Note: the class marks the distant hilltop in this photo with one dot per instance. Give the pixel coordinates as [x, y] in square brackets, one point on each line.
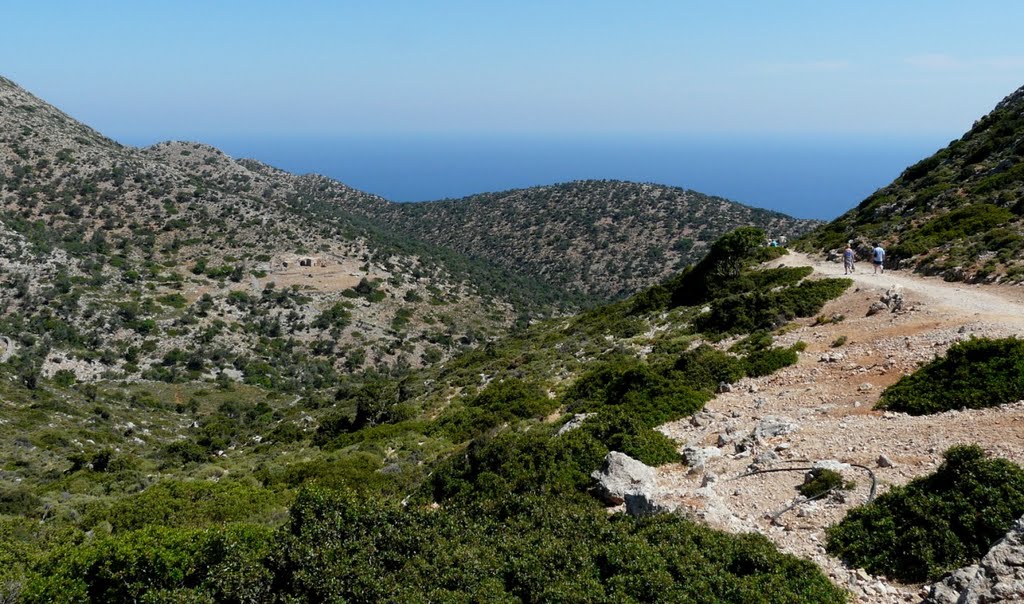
[602, 238]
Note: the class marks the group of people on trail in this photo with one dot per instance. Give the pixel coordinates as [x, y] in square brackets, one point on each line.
[877, 259]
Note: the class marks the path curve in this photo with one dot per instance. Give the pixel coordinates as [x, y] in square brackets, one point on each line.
[995, 302]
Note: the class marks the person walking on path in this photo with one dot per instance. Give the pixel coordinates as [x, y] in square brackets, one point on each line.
[848, 260]
[878, 258]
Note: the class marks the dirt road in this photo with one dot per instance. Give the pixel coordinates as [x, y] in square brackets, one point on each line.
[822, 410]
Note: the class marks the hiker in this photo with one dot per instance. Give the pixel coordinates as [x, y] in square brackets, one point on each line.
[848, 260]
[878, 258]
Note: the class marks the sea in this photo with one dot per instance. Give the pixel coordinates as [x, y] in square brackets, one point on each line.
[809, 177]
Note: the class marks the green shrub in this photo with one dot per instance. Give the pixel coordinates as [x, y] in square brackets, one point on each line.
[357, 471]
[530, 463]
[465, 423]
[19, 501]
[761, 309]
[651, 395]
[335, 317]
[936, 523]
[956, 225]
[704, 368]
[526, 549]
[767, 362]
[974, 374]
[157, 564]
[822, 481]
[183, 452]
[377, 400]
[190, 504]
[718, 270]
[514, 398]
[65, 378]
[173, 300]
[620, 430]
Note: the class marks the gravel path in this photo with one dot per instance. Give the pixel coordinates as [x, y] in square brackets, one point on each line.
[821, 409]
[1004, 302]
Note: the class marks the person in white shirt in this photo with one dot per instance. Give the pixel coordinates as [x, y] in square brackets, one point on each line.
[878, 258]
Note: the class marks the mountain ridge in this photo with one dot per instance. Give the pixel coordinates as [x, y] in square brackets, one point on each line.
[178, 240]
[602, 238]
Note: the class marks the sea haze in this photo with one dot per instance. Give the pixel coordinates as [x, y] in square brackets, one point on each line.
[807, 178]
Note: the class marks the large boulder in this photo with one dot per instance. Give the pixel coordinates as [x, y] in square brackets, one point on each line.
[999, 577]
[621, 475]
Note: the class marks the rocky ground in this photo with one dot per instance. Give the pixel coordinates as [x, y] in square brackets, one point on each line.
[819, 411]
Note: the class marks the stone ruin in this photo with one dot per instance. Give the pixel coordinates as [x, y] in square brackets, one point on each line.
[301, 261]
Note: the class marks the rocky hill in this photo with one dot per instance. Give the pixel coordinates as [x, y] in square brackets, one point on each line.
[957, 213]
[117, 260]
[603, 239]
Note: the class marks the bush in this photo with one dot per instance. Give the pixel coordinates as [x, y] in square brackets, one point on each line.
[378, 400]
[704, 368]
[65, 378]
[719, 269]
[524, 463]
[767, 362]
[769, 309]
[620, 430]
[974, 374]
[528, 549]
[158, 565]
[465, 423]
[935, 523]
[19, 501]
[957, 225]
[357, 471]
[823, 480]
[335, 317]
[651, 395]
[186, 504]
[514, 398]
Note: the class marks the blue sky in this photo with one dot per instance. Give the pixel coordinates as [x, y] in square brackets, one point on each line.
[146, 71]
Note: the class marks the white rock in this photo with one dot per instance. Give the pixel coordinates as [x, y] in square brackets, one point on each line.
[621, 475]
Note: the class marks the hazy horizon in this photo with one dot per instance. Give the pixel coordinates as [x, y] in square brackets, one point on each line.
[807, 178]
[806, 107]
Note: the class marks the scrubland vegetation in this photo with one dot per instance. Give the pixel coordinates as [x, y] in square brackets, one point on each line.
[445, 483]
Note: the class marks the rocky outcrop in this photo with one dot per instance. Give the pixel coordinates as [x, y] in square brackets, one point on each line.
[621, 475]
[999, 577]
[7, 348]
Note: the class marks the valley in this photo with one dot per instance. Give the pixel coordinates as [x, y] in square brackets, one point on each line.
[221, 382]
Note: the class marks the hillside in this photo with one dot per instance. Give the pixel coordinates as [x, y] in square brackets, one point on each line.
[957, 213]
[175, 261]
[467, 480]
[601, 239]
